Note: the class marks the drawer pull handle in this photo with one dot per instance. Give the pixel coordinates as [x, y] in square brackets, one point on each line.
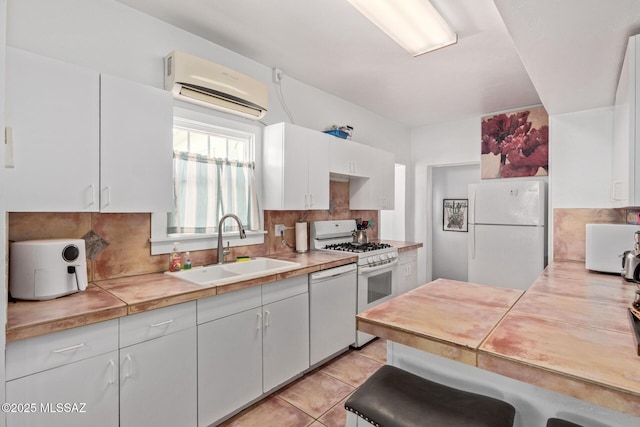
[259, 317]
[166, 322]
[70, 348]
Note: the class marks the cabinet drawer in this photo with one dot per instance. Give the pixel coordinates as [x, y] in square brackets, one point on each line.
[286, 288]
[224, 305]
[156, 323]
[408, 256]
[60, 348]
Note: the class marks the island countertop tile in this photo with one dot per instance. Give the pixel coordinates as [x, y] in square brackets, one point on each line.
[569, 332]
[449, 312]
[593, 354]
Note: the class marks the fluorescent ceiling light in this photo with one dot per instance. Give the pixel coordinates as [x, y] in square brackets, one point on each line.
[413, 24]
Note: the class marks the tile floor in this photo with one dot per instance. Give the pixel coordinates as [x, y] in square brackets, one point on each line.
[317, 399]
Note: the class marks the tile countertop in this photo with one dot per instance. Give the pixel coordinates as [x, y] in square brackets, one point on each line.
[569, 332]
[110, 299]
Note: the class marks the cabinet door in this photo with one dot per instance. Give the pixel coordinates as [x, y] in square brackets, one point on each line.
[296, 168]
[624, 149]
[52, 108]
[285, 347]
[158, 381]
[407, 271]
[318, 171]
[383, 177]
[378, 191]
[229, 364]
[349, 158]
[136, 122]
[89, 387]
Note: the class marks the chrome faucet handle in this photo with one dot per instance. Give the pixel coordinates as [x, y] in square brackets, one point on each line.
[226, 251]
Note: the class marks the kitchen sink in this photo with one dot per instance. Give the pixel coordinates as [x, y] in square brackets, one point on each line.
[259, 265]
[231, 272]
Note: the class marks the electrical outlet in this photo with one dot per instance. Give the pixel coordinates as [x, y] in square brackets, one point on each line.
[280, 229]
[277, 75]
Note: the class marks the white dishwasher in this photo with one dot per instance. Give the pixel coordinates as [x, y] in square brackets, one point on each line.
[332, 311]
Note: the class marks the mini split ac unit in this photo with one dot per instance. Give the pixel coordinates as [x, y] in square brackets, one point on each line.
[211, 85]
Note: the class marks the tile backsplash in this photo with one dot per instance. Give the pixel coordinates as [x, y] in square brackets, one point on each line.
[124, 248]
[569, 229]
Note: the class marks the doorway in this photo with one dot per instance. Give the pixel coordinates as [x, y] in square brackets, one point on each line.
[449, 248]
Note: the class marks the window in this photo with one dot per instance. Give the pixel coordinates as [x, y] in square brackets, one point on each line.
[213, 171]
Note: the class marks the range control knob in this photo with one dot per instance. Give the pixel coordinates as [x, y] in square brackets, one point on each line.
[370, 260]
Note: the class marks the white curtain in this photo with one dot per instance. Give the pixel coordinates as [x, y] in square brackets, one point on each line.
[207, 188]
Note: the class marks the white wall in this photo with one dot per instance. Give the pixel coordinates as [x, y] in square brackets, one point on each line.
[112, 38]
[449, 248]
[580, 157]
[441, 144]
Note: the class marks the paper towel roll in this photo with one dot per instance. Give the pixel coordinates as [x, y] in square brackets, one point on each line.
[301, 237]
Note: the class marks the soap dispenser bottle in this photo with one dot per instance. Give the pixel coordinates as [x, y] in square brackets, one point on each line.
[175, 260]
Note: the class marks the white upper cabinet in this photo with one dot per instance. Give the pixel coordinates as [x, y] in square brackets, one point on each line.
[84, 142]
[378, 191]
[349, 158]
[296, 168]
[135, 147]
[625, 189]
[52, 109]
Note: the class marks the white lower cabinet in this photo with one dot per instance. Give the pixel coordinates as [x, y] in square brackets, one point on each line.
[67, 378]
[158, 370]
[407, 271]
[250, 342]
[285, 347]
[229, 353]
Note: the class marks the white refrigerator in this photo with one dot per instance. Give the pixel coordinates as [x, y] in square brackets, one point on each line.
[507, 234]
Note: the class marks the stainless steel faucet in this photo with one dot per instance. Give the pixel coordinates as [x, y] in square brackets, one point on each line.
[222, 252]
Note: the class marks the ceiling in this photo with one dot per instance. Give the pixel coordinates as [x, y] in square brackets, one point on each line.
[510, 53]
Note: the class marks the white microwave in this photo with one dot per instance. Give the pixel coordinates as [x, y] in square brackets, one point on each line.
[605, 246]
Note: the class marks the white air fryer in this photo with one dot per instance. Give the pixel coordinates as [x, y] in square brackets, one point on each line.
[47, 269]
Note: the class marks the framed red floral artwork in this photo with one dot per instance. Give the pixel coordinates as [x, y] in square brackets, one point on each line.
[515, 144]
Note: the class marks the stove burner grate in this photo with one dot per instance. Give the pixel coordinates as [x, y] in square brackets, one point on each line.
[355, 247]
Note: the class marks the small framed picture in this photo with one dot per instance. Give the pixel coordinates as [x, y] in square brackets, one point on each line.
[454, 213]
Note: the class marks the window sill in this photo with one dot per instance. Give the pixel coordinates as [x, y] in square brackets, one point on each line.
[164, 245]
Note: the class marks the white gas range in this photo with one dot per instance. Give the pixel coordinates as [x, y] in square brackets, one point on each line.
[376, 264]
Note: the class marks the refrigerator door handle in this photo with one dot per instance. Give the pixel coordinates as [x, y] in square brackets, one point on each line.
[472, 218]
[472, 235]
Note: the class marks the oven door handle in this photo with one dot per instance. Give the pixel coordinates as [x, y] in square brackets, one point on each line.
[367, 270]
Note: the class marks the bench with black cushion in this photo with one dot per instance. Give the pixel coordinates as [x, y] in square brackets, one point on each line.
[557, 422]
[393, 397]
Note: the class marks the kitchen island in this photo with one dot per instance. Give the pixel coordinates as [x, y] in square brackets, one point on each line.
[569, 333]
